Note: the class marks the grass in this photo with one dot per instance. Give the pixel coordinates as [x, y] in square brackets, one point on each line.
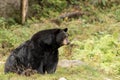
[84, 37]
[72, 73]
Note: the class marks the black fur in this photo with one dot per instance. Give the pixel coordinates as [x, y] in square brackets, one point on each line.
[40, 53]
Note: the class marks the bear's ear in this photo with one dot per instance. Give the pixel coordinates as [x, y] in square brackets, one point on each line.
[66, 29]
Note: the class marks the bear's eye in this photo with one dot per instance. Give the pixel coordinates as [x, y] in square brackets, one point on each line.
[66, 35]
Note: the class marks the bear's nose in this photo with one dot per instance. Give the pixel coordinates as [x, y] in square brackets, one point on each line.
[68, 42]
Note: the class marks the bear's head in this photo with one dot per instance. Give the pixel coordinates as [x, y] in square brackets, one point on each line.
[51, 37]
[62, 37]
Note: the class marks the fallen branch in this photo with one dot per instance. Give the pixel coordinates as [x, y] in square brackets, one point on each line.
[69, 15]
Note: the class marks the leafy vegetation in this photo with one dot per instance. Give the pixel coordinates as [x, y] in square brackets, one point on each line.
[95, 39]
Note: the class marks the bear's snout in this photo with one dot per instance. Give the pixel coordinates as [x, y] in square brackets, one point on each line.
[66, 41]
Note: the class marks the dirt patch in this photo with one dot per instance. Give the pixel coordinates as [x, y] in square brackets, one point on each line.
[70, 63]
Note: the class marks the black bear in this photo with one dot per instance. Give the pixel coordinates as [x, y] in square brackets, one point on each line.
[40, 53]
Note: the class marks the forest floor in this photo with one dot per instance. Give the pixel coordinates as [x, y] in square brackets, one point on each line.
[71, 66]
[67, 70]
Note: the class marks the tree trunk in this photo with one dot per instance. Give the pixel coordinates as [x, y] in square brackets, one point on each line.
[24, 9]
